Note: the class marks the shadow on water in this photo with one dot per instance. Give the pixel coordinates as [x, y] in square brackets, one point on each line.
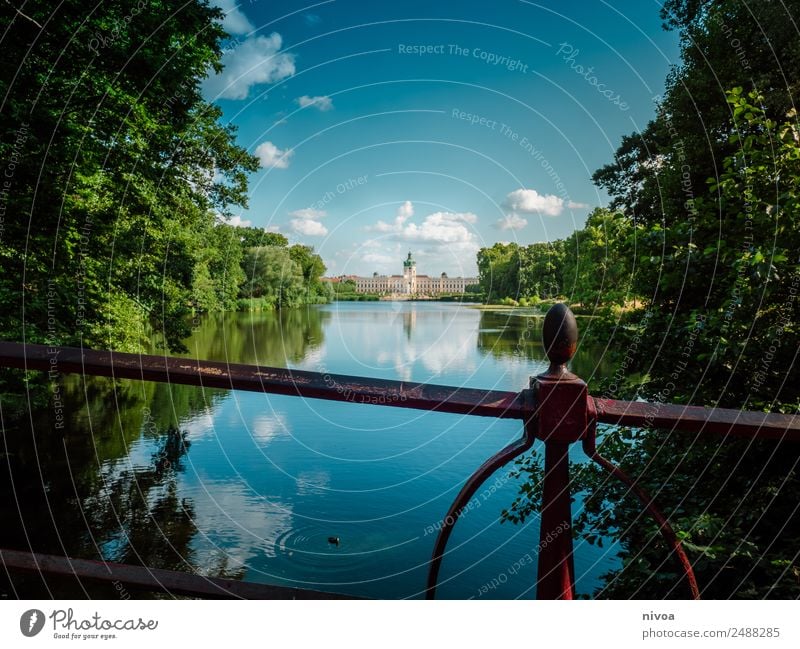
[517, 334]
[92, 467]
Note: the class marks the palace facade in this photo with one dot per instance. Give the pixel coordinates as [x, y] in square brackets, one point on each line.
[409, 283]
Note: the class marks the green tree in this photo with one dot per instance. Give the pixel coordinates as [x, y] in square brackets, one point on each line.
[255, 237]
[347, 286]
[659, 174]
[597, 267]
[271, 272]
[119, 168]
[313, 268]
[751, 334]
[218, 272]
[709, 192]
[692, 244]
[511, 271]
[498, 271]
[540, 269]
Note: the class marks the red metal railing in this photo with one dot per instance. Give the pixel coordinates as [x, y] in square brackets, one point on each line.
[555, 408]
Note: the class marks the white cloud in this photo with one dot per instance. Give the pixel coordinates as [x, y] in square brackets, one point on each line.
[308, 227]
[234, 22]
[577, 206]
[378, 258]
[441, 228]
[237, 221]
[511, 222]
[532, 202]
[308, 213]
[381, 226]
[272, 228]
[306, 221]
[439, 236]
[322, 102]
[404, 212]
[257, 60]
[271, 156]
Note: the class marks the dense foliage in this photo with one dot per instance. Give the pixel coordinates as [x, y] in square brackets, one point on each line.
[285, 277]
[118, 176]
[590, 267]
[695, 275]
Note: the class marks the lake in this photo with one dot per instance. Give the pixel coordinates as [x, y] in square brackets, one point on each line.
[252, 486]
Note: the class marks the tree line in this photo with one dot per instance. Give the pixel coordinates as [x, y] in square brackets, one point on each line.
[693, 273]
[119, 178]
[589, 267]
[276, 275]
[699, 241]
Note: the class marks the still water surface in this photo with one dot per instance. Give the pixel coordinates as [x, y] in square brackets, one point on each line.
[255, 485]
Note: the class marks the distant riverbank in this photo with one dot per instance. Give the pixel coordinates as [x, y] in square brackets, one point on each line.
[465, 298]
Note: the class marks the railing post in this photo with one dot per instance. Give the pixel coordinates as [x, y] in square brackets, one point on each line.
[562, 402]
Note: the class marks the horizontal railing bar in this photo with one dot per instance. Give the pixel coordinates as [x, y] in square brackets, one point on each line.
[274, 380]
[155, 579]
[696, 419]
[403, 394]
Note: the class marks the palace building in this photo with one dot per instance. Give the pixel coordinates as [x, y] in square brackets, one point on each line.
[409, 283]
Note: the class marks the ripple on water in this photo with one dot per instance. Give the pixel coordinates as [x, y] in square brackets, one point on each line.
[363, 554]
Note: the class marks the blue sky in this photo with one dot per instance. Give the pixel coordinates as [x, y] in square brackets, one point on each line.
[436, 127]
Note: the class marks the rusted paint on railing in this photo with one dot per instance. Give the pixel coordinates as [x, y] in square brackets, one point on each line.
[273, 380]
[154, 579]
[382, 392]
[696, 419]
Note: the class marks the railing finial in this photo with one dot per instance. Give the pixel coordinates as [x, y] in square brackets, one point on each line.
[560, 338]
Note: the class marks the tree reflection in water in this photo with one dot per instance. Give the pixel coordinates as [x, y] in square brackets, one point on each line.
[105, 483]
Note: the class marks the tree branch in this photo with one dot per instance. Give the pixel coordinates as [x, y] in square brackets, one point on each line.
[25, 16]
